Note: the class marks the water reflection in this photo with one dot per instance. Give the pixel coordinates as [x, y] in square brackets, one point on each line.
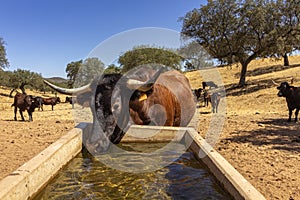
[86, 178]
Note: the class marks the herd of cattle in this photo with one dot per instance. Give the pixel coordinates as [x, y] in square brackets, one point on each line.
[29, 103]
[209, 95]
[145, 97]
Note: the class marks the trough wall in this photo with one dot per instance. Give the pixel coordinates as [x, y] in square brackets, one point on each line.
[31, 177]
[28, 179]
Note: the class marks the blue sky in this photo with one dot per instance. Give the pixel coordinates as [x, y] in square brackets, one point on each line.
[44, 36]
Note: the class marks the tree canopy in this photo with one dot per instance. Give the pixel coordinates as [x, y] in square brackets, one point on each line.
[83, 72]
[89, 69]
[149, 55]
[3, 60]
[195, 56]
[112, 69]
[241, 31]
[289, 29]
[72, 71]
[20, 78]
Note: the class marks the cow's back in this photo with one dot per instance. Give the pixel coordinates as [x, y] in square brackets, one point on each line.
[179, 85]
[294, 100]
[22, 101]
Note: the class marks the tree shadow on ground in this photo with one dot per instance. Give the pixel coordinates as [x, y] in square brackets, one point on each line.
[5, 95]
[267, 70]
[254, 86]
[276, 133]
[251, 87]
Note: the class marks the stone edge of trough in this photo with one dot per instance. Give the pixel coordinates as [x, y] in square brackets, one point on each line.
[28, 179]
[231, 180]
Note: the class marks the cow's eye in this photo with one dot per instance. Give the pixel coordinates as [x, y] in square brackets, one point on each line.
[116, 106]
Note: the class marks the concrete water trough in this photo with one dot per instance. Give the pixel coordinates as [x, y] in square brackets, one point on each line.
[30, 178]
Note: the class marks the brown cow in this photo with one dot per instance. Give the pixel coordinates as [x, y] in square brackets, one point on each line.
[50, 101]
[24, 102]
[146, 96]
[164, 103]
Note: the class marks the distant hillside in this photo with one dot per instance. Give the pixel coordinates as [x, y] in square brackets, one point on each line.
[57, 80]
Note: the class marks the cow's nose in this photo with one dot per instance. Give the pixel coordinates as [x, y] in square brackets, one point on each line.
[115, 108]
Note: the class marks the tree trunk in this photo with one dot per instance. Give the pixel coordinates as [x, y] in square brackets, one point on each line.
[22, 87]
[11, 92]
[286, 60]
[243, 75]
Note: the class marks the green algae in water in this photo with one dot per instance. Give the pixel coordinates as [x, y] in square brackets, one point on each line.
[86, 178]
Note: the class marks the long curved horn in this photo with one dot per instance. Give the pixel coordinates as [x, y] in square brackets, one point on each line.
[144, 86]
[275, 83]
[86, 88]
[138, 85]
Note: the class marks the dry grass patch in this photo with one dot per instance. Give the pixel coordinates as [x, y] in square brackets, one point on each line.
[256, 138]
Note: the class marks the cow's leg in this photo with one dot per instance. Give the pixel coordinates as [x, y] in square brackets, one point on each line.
[217, 105]
[212, 107]
[290, 114]
[42, 107]
[21, 113]
[30, 115]
[15, 113]
[296, 114]
[52, 106]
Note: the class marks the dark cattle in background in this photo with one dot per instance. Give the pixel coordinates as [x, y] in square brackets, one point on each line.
[50, 101]
[215, 100]
[24, 102]
[145, 97]
[292, 96]
[206, 97]
[208, 83]
[39, 102]
[70, 100]
[213, 97]
[197, 92]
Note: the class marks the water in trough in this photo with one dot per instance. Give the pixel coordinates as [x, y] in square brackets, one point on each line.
[87, 178]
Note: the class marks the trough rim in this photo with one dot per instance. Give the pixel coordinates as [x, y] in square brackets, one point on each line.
[32, 176]
[19, 184]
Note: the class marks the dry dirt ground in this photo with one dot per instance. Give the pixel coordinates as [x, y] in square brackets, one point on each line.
[255, 138]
